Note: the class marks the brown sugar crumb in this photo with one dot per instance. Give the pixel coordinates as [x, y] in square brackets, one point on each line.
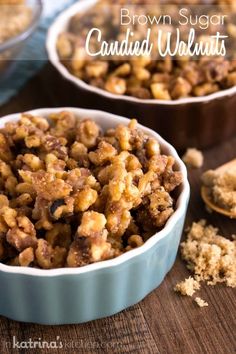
[211, 257]
[187, 286]
[200, 302]
[222, 188]
[193, 158]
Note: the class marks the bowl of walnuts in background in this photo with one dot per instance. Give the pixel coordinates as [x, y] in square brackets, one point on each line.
[190, 102]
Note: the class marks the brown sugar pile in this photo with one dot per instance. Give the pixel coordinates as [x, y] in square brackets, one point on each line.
[210, 257]
[187, 286]
[193, 158]
[222, 188]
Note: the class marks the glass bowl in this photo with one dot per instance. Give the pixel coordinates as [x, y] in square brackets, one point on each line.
[11, 48]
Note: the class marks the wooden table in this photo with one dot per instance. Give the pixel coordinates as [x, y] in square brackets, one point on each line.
[163, 322]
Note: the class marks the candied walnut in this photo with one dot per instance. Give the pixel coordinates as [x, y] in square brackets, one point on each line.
[23, 200]
[6, 154]
[10, 185]
[160, 91]
[144, 184]
[71, 164]
[30, 162]
[87, 133]
[48, 257]
[215, 70]
[96, 68]
[160, 206]
[100, 250]
[152, 147]
[144, 221]
[123, 135]
[104, 153]
[60, 235]
[60, 208]
[118, 221]
[46, 185]
[79, 152]
[4, 202]
[79, 252]
[134, 241]
[32, 141]
[139, 92]
[84, 199]
[180, 88]
[41, 214]
[122, 70]
[26, 188]
[38, 122]
[205, 89]
[231, 79]
[81, 177]
[116, 85]
[92, 225]
[55, 146]
[9, 181]
[23, 234]
[26, 257]
[141, 73]
[171, 179]
[157, 164]
[116, 170]
[8, 215]
[65, 123]
[55, 165]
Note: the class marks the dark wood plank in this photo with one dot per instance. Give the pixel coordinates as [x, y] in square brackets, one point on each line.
[163, 322]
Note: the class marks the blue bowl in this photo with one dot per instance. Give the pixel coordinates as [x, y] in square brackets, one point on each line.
[77, 295]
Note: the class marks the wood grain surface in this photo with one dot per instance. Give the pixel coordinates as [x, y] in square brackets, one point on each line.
[163, 322]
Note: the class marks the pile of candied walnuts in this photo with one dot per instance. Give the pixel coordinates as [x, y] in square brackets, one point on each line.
[167, 78]
[71, 195]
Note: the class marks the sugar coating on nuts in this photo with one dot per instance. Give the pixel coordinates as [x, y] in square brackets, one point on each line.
[73, 194]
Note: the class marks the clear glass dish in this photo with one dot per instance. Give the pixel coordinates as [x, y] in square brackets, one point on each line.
[11, 48]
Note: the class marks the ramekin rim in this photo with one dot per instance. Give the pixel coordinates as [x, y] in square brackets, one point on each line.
[11, 42]
[108, 264]
[55, 61]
